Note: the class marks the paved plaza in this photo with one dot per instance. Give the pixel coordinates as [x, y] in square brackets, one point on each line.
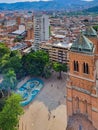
[48, 110]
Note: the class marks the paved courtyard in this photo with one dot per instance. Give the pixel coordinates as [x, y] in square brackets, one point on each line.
[48, 110]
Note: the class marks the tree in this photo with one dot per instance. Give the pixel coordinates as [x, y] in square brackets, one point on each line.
[4, 56]
[15, 53]
[95, 27]
[10, 80]
[2, 103]
[47, 70]
[3, 50]
[9, 60]
[15, 63]
[4, 63]
[1, 91]
[35, 62]
[58, 67]
[9, 116]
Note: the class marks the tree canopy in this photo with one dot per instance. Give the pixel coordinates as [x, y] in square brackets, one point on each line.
[10, 59]
[35, 62]
[9, 116]
[9, 81]
[3, 50]
[59, 67]
[14, 66]
[95, 27]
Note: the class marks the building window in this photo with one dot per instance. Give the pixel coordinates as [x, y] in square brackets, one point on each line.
[80, 127]
[85, 107]
[76, 66]
[85, 68]
[77, 104]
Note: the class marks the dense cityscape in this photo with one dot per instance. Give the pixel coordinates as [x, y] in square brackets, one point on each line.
[49, 66]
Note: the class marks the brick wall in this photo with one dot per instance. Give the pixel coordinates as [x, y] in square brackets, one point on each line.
[82, 96]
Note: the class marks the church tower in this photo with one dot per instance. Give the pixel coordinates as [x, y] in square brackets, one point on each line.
[82, 84]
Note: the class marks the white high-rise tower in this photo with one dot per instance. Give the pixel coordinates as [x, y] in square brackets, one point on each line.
[41, 30]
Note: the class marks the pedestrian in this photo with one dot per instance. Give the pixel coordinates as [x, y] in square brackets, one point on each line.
[59, 102]
[49, 116]
[54, 116]
[57, 87]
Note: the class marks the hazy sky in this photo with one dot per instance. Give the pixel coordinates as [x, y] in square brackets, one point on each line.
[12, 1]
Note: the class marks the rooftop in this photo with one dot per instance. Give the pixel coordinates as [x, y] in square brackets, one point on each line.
[90, 32]
[58, 36]
[27, 50]
[18, 32]
[62, 45]
[19, 46]
[82, 44]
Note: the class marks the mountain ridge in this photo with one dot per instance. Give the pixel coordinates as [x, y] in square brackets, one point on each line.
[48, 5]
[93, 9]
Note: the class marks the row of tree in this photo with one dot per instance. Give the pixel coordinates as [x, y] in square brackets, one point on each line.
[10, 109]
[14, 66]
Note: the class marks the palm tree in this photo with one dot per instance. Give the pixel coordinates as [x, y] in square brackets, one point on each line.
[10, 80]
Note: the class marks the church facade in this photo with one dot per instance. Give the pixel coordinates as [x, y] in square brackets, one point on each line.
[82, 84]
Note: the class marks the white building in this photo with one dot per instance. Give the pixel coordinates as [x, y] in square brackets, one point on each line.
[22, 27]
[41, 30]
[8, 23]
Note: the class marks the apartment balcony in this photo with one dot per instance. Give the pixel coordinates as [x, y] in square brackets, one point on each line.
[53, 54]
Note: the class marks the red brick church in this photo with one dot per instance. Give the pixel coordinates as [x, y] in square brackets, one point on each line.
[82, 85]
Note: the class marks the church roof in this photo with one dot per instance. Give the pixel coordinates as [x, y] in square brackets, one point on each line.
[90, 32]
[82, 44]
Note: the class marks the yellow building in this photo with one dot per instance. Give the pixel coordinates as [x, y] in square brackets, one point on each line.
[58, 52]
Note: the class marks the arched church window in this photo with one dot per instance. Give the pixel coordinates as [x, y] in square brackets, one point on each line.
[77, 104]
[76, 66]
[85, 68]
[85, 107]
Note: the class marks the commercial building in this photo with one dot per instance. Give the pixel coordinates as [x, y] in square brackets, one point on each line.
[20, 32]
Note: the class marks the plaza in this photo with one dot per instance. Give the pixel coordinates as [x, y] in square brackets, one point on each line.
[48, 110]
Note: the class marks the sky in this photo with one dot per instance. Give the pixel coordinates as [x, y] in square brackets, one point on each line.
[12, 1]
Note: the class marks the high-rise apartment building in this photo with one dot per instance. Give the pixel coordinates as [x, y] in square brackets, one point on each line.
[41, 30]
